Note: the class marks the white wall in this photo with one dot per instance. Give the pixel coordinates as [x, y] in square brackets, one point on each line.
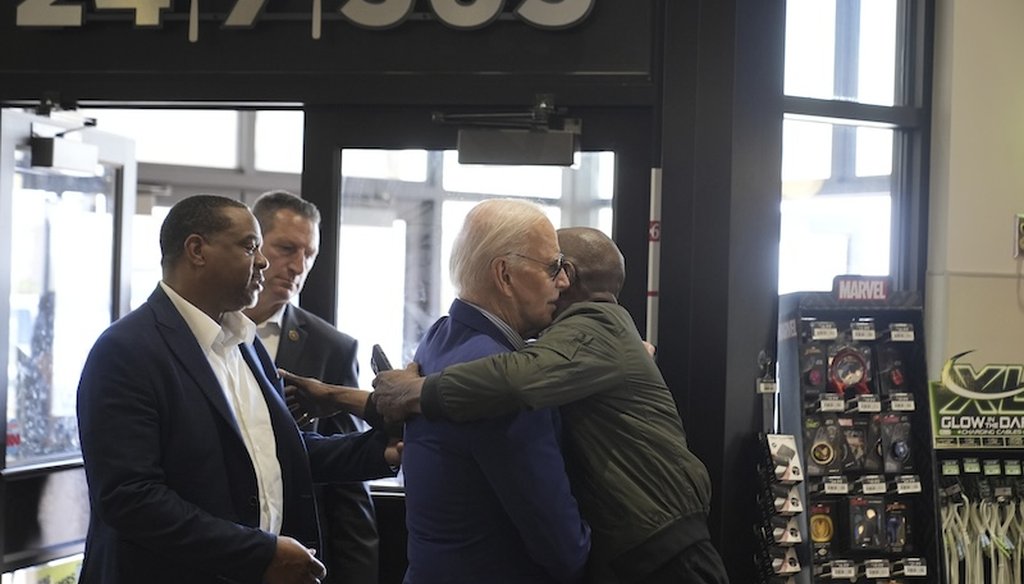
[975, 288]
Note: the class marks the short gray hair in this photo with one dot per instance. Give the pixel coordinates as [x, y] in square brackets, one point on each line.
[270, 202]
[492, 229]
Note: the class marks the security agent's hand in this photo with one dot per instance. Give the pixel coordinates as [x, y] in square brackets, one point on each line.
[309, 398]
[293, 564]
[397, 392]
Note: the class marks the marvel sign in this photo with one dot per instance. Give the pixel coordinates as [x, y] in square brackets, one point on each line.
[860, 288]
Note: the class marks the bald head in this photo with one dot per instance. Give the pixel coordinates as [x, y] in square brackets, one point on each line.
[597, 268]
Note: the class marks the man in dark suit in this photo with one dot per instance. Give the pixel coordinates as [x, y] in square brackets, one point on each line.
[303, 343]
[489, 501]
[196, 471]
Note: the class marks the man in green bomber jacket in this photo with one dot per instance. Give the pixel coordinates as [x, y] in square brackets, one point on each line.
[644, 493]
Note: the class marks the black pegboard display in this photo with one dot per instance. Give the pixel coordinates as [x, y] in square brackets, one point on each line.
[853, 391]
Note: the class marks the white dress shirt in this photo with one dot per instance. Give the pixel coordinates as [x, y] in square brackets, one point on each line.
[219, 342]
[269, 332]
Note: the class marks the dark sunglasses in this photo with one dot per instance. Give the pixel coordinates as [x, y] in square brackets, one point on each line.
[552, 268]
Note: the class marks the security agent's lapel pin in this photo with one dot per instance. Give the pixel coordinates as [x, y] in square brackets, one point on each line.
[293, 335]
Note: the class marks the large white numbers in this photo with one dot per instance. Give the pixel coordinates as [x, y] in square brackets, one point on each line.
[244, 13]
[558, 14]
[48, 13]
[459, 14]
[384, 14]
[373, 14]
[147, 12]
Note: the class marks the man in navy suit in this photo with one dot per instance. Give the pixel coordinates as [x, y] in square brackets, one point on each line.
[196, 471]
[489, 501]
[304, 343]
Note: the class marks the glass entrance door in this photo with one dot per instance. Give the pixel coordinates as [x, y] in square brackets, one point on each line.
[64, 191]
[407, 206]
[398, 195]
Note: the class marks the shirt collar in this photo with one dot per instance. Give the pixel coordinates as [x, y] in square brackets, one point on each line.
[234, 328]
[514, 338]
[274, 320]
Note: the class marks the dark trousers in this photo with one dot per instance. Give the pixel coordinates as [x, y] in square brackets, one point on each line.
[697, 564]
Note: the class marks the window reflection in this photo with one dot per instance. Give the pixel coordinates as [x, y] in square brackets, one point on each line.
[61, 299]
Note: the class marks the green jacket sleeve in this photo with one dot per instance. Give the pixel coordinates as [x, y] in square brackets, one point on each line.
[583, 352]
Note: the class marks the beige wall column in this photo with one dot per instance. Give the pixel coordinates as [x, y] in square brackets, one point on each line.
[975, 287]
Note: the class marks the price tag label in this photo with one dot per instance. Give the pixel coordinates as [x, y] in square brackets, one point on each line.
[1011, 468]
[908, 485]
[992, 468]
[915, 567]
[863, 331]
[843, 570]
[901, 332]
[950, 468]
[831, 402]
[915, 570]
[767, 386]
[877, 569]
[824, 331]
[902, 402]
[873, 485]
[836, 486]
[972, 466]
[868, 404]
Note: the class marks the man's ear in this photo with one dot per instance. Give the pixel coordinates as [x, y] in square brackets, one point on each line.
[502, 274]
[195, 249]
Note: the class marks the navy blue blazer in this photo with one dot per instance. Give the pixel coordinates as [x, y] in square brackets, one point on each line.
[172, 491]
[312, 347]
[487, 501]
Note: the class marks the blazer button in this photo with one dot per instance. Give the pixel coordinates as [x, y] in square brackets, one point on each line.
[254, 501]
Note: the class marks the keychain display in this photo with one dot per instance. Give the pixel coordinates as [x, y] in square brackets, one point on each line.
[895, 443]
[867, 523]
[892, 371]
[826, 443]
[858, 374]
[781, 503]
[849, 370]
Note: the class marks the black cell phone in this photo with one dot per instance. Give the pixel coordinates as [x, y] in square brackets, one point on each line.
[378, 360]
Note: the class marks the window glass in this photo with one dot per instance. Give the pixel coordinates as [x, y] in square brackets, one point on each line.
[876, 65]
[278, 141]
[806, 150]
[61, 300]
[810, 48]
[204, 138]
[396, 237]
[842, 50]
[399, 165]
[836, 203]
[829, 235]
[146, 271]
[605, 162]
[62, 570]
[874, 151]
[508, 181]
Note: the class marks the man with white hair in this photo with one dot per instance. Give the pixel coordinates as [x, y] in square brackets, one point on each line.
[489, 501]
